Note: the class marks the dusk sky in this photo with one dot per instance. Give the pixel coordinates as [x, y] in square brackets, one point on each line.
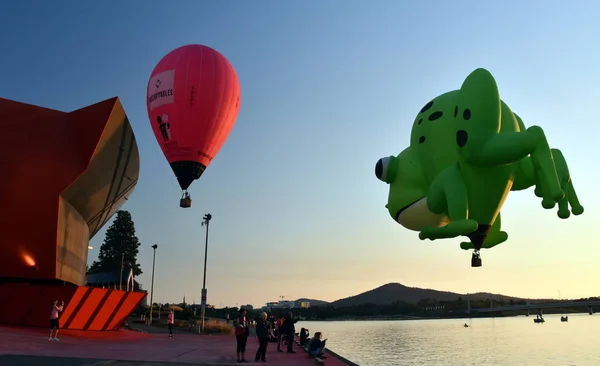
[328, 88]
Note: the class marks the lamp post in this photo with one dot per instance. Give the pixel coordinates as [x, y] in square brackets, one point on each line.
[121, 276]
[205, 221]
[152, 283]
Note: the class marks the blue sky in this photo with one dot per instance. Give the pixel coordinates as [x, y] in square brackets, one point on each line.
[328, 87]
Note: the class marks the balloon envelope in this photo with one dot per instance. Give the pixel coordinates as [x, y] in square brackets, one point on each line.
[193, 101]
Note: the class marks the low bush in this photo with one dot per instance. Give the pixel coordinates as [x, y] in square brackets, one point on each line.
[216, 327]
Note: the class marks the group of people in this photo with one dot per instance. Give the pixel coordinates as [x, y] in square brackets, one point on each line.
[316, 344]
[281, 331]
[264, 332]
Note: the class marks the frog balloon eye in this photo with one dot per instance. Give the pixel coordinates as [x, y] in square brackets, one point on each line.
[382, 169]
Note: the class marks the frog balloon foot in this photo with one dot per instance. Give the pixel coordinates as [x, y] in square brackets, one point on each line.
[577, 210]
[548, 203]
[563, 213]
[476, 259]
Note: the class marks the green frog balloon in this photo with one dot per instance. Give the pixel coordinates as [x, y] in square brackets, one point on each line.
[467, 151]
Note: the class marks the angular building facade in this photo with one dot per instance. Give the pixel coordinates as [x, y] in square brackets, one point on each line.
[63, 175]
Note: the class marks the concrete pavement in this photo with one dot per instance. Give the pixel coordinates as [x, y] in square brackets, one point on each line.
[77, 348]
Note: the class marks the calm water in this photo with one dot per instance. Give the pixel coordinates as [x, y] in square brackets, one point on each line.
[489, 341]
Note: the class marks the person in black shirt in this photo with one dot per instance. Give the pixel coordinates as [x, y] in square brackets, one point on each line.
[289, 329]
[303, 337]
[262, 333]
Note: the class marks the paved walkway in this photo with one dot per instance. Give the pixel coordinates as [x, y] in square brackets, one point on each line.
[99, 348]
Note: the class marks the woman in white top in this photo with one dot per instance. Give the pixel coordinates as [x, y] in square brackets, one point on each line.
[54, 319]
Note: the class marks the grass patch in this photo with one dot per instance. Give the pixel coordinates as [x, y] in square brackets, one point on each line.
[217, 327]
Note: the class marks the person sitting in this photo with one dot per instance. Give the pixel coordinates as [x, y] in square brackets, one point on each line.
[303, 337]
[317, 345]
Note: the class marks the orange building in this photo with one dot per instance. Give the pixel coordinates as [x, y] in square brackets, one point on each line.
[63, 175]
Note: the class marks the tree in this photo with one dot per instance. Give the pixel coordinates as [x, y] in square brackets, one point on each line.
[120, 240]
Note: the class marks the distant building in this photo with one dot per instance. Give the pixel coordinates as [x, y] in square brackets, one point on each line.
[305, 304]
[288, 304]
[110, 280]
[275, 305]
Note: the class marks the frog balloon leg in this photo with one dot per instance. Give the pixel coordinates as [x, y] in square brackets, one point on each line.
[526, 177]
[477, 185]
[570, 197]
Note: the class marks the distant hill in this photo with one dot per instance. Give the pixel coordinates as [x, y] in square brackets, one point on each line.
[313, 302]
[392, 292]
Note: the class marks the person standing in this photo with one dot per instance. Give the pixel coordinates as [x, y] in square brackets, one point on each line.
[241, 334]
[262, 333]
[170, 322]
[289, 329]
[279, 326]
[54, 325]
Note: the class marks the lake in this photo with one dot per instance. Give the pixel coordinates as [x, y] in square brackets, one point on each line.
[488, 341]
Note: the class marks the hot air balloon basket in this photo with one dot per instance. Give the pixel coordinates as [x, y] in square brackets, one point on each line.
[185, 202]
[475, 260]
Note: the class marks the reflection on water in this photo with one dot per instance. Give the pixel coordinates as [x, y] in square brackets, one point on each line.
[488, 341]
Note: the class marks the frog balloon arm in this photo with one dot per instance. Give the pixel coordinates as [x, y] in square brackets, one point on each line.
[448, 192]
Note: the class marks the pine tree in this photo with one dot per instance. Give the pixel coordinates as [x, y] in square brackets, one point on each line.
[120, 242]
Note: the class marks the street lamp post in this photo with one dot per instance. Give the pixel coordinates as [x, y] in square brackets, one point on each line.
[152, 283]
[205, 221]
[121, 277]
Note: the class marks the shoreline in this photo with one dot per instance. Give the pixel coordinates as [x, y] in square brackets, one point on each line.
[447, 317]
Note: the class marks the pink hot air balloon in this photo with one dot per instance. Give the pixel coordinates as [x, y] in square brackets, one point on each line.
[193, 101]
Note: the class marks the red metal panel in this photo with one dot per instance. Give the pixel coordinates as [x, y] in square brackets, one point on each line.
[131, 302]
[107, 309]
[24, 304]
[85, 312]
[50, 155]
[73, 303]
[58, 174]
[12, 309]
[39, 147]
